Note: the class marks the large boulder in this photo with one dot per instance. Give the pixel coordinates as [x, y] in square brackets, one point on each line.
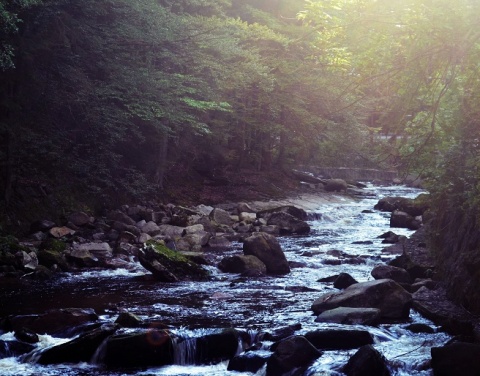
[367, 361]
[339, 339]
[456, 359]
[392, 299]
[102, 250]
[267, 248]
[247, 265]
[290, 353]
[217, 347]
[401, 219]
[413, 207]
[80, 349]
[289, 209]
[335, 185]
[221, 217]
[399, 275]
[167, 265]
[247, 362]
[151, 348]
[351, 316]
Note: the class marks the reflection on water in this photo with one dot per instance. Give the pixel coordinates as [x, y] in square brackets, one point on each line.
[343, 239]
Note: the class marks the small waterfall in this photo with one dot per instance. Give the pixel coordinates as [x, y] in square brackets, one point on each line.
[184, 350]
[99, 355]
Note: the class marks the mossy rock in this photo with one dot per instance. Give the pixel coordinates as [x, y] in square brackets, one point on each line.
[168, 265]
[10, 244]
[53, 245]
[49, 258]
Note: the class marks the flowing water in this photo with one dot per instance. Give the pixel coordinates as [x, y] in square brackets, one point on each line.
[344, 238]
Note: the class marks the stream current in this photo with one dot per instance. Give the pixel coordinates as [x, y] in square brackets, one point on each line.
[344, 238]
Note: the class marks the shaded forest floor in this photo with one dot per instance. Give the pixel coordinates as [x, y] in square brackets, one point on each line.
[244, 185]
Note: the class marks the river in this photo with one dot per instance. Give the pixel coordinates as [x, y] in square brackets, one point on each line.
[344, 238]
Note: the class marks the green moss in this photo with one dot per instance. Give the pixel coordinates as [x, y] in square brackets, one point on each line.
[53, 245]
[176, 263]
[10, 244]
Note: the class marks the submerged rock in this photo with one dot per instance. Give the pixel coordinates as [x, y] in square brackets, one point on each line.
[58, 322]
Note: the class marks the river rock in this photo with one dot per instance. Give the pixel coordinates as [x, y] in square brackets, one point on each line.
[58, 322]
[80, 349]
[399, 275]
[219, 241]
[118, 216]
[436, 306]
[243, 207]
[298, 213]
[192, 242]
[82, 258]
[367, 361]
[290, 353]
[420, 328]
[335, 185]
[404, 220]
[221, 217]
[247, 217]
[351, 316]
[171, 232]
[146, 349]
[151, 228]
[26, 261]
[248, 265]
[10, 349]
[288, 224]
[60, 232]
[339, 339]
[280, 333]
[392, 299]
[456, 359]
[167, 265]
[41, 225]
[413, 207]
[247, 362]
[79, 219]
[27, 336]
[217, 347]
[344, 280]
[101, 251]
[143, 238]
[267, 248]
[129, 320]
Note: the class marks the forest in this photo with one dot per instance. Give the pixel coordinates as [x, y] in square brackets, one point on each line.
[116, 100]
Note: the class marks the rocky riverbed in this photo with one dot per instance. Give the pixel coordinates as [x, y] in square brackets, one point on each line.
[279, 287]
